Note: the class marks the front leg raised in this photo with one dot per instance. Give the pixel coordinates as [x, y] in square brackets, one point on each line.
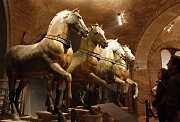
[60, 72]
[96, 79]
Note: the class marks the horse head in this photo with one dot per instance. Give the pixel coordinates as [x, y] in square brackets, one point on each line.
[114, 45]
[97, 35]
[128, 53]
[74, 19]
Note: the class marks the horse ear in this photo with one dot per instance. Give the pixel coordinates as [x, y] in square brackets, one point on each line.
[76, 10]
[96, 24]
[90, 26]
[101, 26]
[126, 45]
[116, 39]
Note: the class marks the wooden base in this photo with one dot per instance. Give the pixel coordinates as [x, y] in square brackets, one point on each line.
[108, 112]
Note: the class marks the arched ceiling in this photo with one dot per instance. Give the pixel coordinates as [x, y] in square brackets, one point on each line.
[32, 17]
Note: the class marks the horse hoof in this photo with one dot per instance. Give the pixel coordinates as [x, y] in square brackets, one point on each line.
[65, 104]
[50, 110]
[62, 119]
[64, 109]
[91, 110]
[15, 117]
[118, 104]
[54, 112]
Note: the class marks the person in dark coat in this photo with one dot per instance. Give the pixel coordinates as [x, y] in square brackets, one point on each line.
[160, 98]
[173, 93]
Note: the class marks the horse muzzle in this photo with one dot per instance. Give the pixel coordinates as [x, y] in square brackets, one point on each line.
[104, 44]
[83, 32]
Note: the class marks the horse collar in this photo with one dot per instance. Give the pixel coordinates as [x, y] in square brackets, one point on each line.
[122, 64]
[96, 55]
[67, 43]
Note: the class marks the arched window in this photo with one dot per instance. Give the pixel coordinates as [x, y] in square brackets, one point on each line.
[177, 53]
[165, 56]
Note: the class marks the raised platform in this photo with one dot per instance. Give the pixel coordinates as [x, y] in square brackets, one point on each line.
[108, 112]
[113, 113]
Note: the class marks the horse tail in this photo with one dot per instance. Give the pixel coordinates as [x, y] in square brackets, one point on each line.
[7, 62]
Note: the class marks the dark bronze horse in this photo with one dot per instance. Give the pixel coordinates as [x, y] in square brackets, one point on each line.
[52, 55]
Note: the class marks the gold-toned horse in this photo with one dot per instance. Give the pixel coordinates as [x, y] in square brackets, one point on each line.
[122, 73]
[113, 68]
[52, 55]
[113, 52]
[83, 67]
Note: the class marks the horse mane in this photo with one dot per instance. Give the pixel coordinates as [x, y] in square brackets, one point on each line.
[110, 41]
[60, 15]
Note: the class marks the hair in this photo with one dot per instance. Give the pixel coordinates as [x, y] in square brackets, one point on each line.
[176, 61]
[165, 73]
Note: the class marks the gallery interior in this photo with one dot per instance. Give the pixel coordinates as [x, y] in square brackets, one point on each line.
[149, 28]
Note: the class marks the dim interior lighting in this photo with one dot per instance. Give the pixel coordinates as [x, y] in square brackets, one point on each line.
[121, 19]
[169, 26]
[169, 29]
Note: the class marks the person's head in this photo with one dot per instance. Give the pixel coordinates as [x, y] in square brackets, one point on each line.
[163, 74]
[174, 64]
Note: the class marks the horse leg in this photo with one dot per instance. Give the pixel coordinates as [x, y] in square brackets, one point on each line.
[117, 101]
[50, 88]
[57, 106]
[129, 81]
[81, 94]
[57, 69]
[119, 81]
[12, 82]
[104, 94]
[23, 82]
[90, 98]
[61, 117]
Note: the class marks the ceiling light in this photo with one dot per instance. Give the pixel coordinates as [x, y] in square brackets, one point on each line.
[169, 26]
[121, 19]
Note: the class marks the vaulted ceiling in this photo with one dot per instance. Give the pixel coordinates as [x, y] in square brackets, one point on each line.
[144, 30]
[30, 18]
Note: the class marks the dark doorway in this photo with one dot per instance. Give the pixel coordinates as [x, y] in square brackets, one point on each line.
[3, 37]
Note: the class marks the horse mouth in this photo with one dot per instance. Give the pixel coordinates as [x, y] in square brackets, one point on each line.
[104, 45]
[83, 33]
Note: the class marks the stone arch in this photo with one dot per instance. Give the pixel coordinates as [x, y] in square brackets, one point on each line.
[144, 49]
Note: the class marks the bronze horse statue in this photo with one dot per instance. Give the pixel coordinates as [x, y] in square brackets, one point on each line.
[122, 76]
[113, 68]
[83, 63]
[52, 55]
[85, 60]
[123, 72]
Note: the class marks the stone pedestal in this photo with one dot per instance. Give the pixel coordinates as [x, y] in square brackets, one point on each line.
[113, 113]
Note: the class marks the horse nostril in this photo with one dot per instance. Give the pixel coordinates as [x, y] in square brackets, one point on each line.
[87, 32]
[105, 43]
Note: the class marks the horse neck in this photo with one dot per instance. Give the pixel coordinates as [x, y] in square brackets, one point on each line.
[108, 53]
[87, 44]
[59, 28]
[119, 59]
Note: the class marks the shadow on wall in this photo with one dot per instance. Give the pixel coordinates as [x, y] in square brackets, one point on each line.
[3, 37]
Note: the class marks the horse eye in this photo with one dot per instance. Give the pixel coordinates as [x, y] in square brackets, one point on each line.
[79, 17]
